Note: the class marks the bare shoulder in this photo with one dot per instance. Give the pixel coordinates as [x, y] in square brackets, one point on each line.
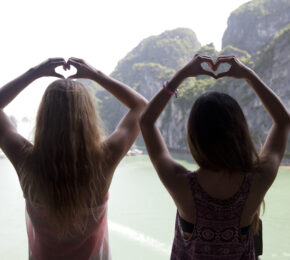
[177, 183]
[265, 175]
[114, 153]
[16, 148]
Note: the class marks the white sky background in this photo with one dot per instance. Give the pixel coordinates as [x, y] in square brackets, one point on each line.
[101, 32]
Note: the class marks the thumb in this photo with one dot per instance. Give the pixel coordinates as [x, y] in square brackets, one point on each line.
[55, 74]
[221, 75]
[208, 73]
[73, 76]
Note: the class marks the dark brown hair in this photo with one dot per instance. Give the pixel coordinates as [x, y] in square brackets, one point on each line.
[219, 137]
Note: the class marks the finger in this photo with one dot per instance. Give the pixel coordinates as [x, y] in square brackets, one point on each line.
[75, 76]
[222, 74]
[207, 59]
[208, 73]
[225, 56]
[73, 63]
[205, 56]
[229, 61]
[53, 60]
[210, 65]
[55, 74]
[58, 63]
[76, 60]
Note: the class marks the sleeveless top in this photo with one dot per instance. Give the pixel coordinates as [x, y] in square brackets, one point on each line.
[216, 234]
[44, 244]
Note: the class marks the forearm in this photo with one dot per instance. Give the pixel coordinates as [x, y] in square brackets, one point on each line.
[270, 100]
[159, 102]
[9, 91]
[126, 95]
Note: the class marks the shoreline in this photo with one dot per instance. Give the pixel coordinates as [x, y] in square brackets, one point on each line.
[285, 167]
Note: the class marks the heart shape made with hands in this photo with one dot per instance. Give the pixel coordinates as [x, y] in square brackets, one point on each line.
[66, 73]
[221, 68]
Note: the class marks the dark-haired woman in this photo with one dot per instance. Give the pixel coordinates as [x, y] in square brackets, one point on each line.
[66, 173]
[218, 204]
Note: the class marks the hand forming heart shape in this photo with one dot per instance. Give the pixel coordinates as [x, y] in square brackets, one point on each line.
[67, 72]
[200, 65]
[224, 66]
[216, 70]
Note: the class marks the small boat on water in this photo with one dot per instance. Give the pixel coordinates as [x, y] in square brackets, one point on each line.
[134, 151]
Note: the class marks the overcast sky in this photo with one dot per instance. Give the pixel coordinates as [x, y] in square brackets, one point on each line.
[101, 32]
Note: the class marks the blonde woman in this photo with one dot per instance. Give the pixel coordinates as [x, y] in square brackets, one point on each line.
[66, 173]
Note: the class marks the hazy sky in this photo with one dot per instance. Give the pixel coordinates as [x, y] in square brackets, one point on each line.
[101, 32]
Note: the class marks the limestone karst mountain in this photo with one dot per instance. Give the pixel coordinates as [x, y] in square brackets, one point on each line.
[258, 33]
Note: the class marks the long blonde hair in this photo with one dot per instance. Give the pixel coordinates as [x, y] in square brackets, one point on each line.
[64, 168]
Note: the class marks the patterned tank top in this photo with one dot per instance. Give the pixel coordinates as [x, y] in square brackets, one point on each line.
[216, 234]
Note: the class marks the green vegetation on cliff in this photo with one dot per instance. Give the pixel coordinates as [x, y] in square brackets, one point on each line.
[157, 58]
[170, 49]
[267, 57]
[260, 8]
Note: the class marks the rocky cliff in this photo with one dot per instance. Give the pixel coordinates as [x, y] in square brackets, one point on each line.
[253, 25]
[147, 66]
[258, 33]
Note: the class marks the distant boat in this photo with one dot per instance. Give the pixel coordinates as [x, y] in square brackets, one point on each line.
[134, 151]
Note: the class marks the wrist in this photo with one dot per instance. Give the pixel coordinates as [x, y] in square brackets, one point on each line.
[33, 74]
[251, 76]
[181, 75]
[176, 80]
[96, 75]
[167, 89]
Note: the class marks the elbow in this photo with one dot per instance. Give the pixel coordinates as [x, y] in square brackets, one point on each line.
[139, 104]
[142, 119]
[143, 103]
[284, 121]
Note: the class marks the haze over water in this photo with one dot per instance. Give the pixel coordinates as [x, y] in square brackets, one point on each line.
[141, 214]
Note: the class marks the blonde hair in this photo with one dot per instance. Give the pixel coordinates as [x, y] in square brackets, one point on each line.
[64, 168]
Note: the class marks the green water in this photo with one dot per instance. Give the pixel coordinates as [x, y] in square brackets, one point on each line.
[141, 214]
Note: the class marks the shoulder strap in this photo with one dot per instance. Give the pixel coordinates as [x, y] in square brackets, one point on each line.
[198, 192]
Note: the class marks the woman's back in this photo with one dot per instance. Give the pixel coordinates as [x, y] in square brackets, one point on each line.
[223, 186]
[44, 242]
[217, 208]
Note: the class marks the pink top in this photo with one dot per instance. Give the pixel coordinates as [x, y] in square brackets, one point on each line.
[44, 244]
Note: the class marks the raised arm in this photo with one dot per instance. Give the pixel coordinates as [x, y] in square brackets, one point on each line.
[128, 129]
[9, 91]
[11, 142]
[167, 168]
[274, 147]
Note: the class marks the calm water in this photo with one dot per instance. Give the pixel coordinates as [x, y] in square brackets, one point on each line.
[141, 214]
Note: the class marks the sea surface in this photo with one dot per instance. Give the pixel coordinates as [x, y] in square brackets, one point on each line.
[141, 214]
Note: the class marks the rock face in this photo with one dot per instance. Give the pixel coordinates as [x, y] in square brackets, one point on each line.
[258, 33]
[147, 66]
[253, 25]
